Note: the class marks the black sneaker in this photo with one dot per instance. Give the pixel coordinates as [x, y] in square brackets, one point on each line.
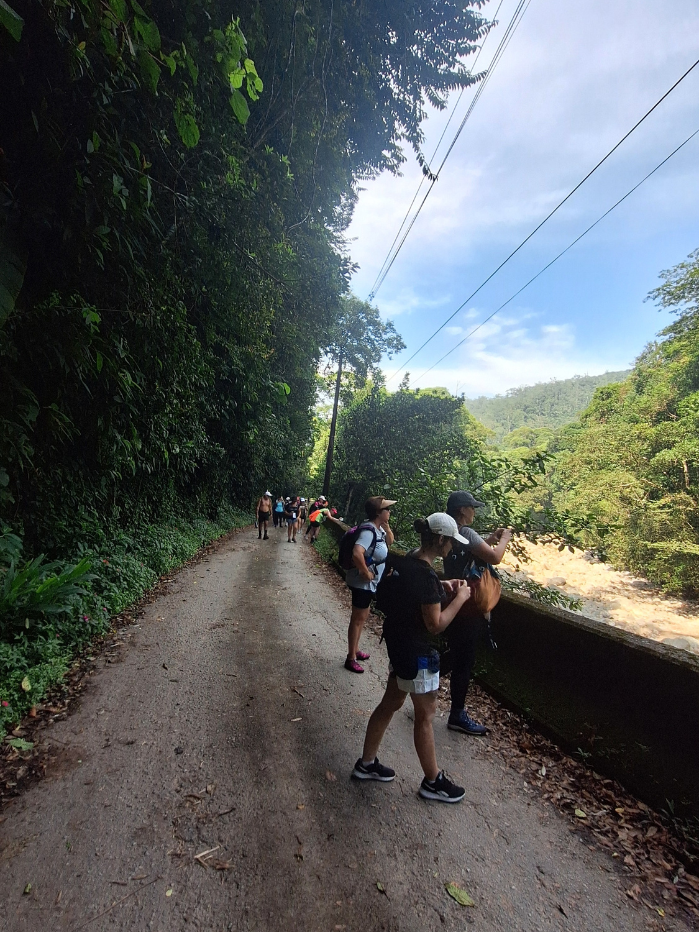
[375, 771]
[463, 722]
[442, 789]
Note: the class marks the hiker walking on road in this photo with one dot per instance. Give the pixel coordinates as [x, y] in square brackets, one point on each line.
[279, 511]
[369, 553]
[264, 513]
[291, 512]
[464, 632]
[411, 601]
[303, 514]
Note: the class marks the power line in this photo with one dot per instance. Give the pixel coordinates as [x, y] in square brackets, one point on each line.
[376, 286]
[547, 218]
[504, 42]
[562, 253]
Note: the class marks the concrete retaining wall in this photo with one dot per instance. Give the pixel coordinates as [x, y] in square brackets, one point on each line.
[628, 705]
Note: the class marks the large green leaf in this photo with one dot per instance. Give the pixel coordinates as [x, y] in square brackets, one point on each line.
[149, 32]
[240, 107]
[187, 128]
[12, 21]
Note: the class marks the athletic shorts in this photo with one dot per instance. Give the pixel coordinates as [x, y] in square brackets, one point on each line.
[424, 682]
[263, 516]
[361, 598]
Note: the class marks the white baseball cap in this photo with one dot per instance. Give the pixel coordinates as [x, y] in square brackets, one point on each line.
[441, 523]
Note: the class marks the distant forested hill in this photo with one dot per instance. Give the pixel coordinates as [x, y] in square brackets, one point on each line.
[546, 404]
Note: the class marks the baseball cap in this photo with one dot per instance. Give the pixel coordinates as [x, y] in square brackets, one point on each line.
[322, 498]
[462, 500]
[441, 523]
[303, 499]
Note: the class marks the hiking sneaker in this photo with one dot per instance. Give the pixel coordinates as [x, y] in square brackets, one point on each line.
[362, 655]
[442, 789]
[375, 771]
[463, 722]
[353, 666]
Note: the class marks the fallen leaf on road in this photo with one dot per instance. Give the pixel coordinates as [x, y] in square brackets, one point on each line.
[220, 865]
[20, 744]
[296, 719]
[459, 894]
[380, 887]
[580, 814]
[300, 806]
[27, 890]
[168, 892]
[329, 775]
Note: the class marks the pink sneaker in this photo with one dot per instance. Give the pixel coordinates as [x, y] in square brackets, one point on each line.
[353, 666]
[362, 656]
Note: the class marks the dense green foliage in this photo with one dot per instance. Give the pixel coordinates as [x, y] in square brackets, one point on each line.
[546, 404]
[417, 447]
[633, 460]
[56, 610]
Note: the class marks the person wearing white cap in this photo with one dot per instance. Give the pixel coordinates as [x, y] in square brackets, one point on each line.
[414, 616]
[264, 513]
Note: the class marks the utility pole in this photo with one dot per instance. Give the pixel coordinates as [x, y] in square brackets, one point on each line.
[333, 424]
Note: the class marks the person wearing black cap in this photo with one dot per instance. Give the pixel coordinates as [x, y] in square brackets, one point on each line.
[462, 634]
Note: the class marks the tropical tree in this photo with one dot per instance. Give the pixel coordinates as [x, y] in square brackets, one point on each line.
[357, 341]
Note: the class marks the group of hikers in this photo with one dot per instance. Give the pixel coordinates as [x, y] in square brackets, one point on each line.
[417, 607]
[292, 511]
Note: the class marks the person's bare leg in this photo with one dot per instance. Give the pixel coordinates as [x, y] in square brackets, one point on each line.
[357, 621]
[425, 706]
[381, 717]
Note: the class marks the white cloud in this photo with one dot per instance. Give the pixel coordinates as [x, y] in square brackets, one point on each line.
[498, 358]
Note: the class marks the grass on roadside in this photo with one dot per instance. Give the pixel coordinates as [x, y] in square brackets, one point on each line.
[49, 611]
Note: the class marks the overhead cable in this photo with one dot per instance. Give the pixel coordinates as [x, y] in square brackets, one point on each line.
[562, 253]
[504, 42]
[547, 217]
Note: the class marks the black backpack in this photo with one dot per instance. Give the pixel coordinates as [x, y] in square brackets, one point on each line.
[393, 597]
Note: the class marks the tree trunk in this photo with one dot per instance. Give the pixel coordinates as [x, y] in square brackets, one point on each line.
[331, 438]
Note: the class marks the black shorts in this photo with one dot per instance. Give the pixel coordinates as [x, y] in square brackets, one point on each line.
[361, 598]
[263, 516]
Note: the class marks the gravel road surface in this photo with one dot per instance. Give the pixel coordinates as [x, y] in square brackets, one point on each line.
[228, 730]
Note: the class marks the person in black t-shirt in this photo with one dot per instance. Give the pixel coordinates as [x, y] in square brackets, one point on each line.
[413, 618]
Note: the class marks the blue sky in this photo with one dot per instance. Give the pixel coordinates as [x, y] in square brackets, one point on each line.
[573, 80]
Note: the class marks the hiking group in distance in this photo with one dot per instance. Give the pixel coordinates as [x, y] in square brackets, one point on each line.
[418, 607]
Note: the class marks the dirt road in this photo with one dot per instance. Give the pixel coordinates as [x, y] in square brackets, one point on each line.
[231, 725]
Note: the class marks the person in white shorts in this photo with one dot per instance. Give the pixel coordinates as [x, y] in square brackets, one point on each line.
[414, 616]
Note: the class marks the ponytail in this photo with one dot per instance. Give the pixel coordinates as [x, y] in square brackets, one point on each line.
[427, 537]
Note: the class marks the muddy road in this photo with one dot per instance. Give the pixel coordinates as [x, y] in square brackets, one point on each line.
[228, 730]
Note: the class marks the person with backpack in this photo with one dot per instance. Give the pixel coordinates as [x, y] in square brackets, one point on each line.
[410, 596]
[367, 548]
[317, 517]
[291, 513]
[320, 502]
[468, 561]
[303, 514]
